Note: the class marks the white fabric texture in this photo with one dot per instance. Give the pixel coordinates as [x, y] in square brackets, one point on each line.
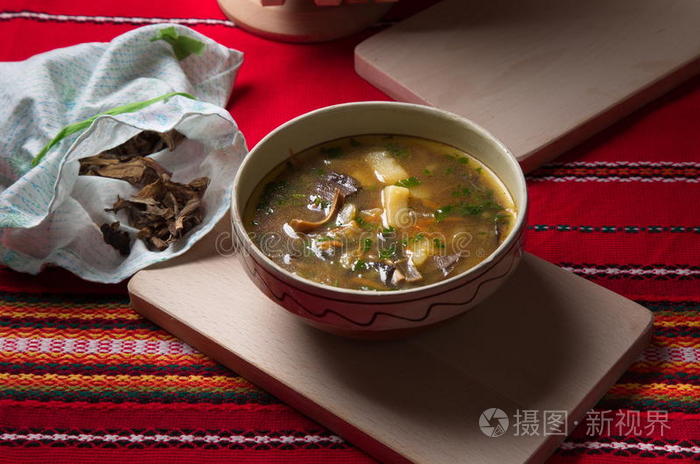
[51, 215]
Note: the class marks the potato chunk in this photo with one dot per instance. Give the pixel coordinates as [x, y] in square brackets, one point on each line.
[420, 251]
[385, 167]
[395, 203]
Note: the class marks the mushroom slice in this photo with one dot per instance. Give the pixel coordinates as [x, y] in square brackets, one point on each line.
[386, 272]
[409, 271]
[446, 263]
[333, 181]
[300, 225]
[412, 273]
[397, 277]
[346, 214]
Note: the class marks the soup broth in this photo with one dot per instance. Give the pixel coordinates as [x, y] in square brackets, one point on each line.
[379, 212]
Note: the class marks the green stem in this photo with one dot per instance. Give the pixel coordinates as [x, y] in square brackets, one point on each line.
[78, 126]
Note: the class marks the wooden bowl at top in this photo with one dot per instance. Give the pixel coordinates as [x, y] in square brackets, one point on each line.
[303, 20]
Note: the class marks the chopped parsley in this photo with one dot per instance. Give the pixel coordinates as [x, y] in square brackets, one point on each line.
[359, 266]
[438, 243]
[427, 172]
[410, 182]
[467, 209]
[397, 151]
[458, 158]
[366, 244]
[320, 202]
[462, 192]
[449, 170]
[362, 223]
[388, 252]
[417, 238]
[442, 213]
[388, 230]
[272, 194]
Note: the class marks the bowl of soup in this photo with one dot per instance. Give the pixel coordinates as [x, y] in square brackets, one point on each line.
[377, 219]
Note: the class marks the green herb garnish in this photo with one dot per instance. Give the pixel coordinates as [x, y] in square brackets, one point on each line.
[366, 244]
[359, 266]
[320, 202]
[427, 172]
[443, 212]
[272, 194]
[438, 243]
[410, 182]
[462, 192]
[387, 253]
[470, 210]
[397, 151]
[364, 224]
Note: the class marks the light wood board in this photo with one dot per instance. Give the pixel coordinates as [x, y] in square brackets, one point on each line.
[548, 341]
[540, 75]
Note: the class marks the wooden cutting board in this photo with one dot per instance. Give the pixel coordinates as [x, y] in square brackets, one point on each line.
[541, 75]
[548, 341]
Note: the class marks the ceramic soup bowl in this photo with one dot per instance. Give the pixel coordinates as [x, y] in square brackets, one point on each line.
[378, 314]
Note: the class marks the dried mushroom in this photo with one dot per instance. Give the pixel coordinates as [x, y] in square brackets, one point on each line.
[117, 238]
[162, 210]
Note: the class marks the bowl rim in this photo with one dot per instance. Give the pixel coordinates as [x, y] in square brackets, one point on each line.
[513, 235]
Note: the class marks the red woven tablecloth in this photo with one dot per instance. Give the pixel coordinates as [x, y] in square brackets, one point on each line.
[85, 379]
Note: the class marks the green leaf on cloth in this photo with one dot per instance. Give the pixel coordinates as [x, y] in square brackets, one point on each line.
[183, 46]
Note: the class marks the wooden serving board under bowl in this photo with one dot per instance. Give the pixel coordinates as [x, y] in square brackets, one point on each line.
[541, 75]
[548, 340]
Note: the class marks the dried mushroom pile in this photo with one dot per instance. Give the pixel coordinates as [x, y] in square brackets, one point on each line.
[162, 210]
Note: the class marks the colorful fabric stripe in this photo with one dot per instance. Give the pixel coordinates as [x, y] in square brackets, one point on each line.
[618, 172]
[614, 229]
[615, 271]
[629, 447]
[234, 439]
